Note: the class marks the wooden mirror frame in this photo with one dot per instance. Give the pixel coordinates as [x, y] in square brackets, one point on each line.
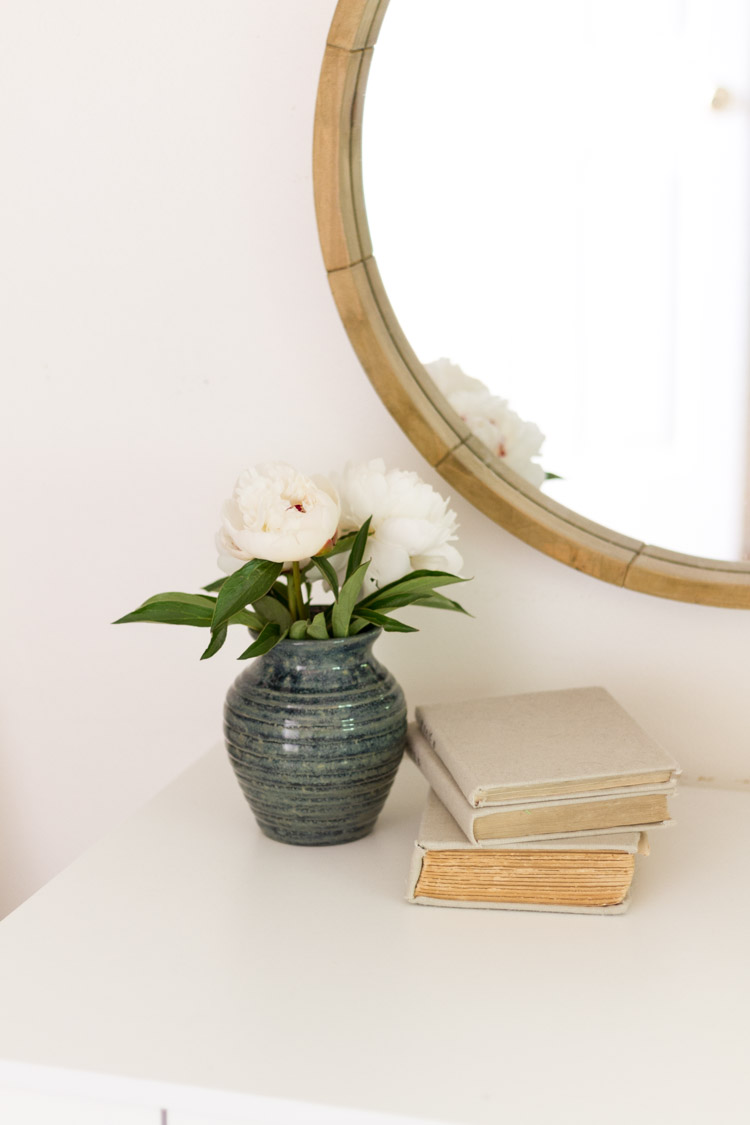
[407, 390]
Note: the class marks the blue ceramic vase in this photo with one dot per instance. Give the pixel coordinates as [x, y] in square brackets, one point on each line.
[315, 732]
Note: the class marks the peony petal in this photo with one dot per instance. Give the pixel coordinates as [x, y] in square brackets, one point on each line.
[415, 535]
[228, 564]
[447, 558]
[449, 378]
[389, 561]
[228, 559]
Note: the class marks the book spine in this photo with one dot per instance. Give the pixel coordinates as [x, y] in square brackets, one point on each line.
[444, 753]
[415, 870]
[441, 781]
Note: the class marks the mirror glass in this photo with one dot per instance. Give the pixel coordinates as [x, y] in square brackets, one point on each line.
[559, 201]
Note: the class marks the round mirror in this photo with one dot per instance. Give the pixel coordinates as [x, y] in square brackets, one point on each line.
[567, 251]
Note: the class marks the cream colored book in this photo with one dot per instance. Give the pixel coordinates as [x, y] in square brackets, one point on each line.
[585, 875]
[544, 744]
[636, 808]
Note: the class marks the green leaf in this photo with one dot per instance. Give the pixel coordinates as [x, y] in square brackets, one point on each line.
[328, 573]
[173, 609]
[358, 548]
[389, 624]
[186, 599]
[216, 585]
[268, 638]
[406, 590]
[248, 584]
[439, 601]
[298, 630]
[356, 625]
[344, 605]
[280, 591]
[169, 613]
[217, 640]
[269, 608]
[246, 617]
[317, 627]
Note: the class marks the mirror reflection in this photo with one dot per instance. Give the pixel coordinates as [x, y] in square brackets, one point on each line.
[558, 200]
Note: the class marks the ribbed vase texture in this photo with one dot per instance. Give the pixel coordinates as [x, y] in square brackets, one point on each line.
[315, 732]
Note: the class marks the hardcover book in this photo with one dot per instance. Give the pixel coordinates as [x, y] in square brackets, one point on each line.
[543, 744]
[636, 809]
[584, 875]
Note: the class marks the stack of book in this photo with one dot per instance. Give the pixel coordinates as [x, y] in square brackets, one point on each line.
[538, 801]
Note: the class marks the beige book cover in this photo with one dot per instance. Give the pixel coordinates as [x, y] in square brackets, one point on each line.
[584, 875]
[637, 809]
[574, 742]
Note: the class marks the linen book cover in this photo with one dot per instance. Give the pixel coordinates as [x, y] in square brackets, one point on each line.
[584, 875]
[539, 745]
[636, 809]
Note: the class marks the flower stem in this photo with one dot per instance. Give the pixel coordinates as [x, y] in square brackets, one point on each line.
[301, 607]
[291, 600]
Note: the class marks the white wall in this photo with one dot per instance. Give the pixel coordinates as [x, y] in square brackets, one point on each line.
[165, 321]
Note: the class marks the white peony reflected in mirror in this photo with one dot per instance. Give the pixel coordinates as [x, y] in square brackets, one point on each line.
[560, 208]
[490, 418]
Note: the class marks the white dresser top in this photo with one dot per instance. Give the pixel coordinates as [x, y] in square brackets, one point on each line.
[188, 950]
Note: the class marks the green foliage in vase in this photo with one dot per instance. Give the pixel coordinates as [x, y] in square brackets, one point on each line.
[275, 604]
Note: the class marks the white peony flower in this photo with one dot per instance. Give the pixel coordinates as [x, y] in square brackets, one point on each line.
[276, 513]
[412, 527]
[491, 420]
[504, 432]
[449, 378]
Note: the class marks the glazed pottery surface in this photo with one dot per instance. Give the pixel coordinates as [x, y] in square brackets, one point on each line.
[315, 732]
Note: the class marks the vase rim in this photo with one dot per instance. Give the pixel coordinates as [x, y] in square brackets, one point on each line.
[372, 632]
